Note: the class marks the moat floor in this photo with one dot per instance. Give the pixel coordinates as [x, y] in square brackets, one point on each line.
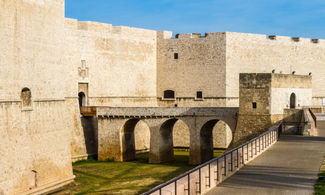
[134, 177]
[290, 166]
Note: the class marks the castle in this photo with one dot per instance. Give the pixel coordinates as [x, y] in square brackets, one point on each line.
[52, 65]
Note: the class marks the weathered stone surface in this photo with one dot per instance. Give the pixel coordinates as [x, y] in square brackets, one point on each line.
[263, 98]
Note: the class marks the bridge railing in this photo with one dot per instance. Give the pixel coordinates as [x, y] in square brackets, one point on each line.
[208, 175]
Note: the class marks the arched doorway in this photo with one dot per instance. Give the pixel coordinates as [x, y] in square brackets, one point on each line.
[132, 131]
[82, 99]
[208, 143]
[293, 101]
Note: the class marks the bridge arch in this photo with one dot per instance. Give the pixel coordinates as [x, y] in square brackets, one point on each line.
[130, 138]
[167, 138]
[207, 137]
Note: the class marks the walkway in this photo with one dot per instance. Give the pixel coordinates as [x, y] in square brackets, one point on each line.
[289, 167]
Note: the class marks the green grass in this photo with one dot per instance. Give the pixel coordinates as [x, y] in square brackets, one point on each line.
[320, 185]
[135, 177]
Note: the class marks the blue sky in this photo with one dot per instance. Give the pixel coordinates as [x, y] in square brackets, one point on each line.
[300, 18]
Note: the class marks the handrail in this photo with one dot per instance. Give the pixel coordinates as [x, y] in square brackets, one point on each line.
[268, 138]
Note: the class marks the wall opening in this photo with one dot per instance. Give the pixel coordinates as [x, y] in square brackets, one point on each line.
[26, 97]
[254, 105]
[199, 95]
[82, 99]
[32, 179]
[293, 101]
[129, 135]
[169, 94]
[215, 137]
[181, 135]
[175, 56]
[175, 139]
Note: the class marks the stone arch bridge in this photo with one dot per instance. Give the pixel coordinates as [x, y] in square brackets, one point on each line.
[116, 131]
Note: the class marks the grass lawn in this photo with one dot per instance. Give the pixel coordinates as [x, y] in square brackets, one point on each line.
[135, 177]
[320, 185]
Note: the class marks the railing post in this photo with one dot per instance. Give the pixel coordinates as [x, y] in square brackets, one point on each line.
[209, 175]
[200, 180]
[255, 148]
[237, 158]
[252, 150]
[231, 158]
[247, 152]
[225, 165]
[176, 187]
[243, 155]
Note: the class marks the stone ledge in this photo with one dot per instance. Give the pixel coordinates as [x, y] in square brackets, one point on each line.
[50, 187]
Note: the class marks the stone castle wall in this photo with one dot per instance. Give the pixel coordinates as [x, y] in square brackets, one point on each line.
[117, 62]
[200, 66]
[35, 138]
[263, 98]
[247, 53]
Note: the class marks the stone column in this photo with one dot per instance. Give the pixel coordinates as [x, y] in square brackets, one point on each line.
[161, 140]
[109, 139]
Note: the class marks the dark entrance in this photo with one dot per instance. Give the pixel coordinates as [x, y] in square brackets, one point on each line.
[293, 101]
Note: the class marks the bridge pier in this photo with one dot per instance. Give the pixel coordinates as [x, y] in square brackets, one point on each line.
[161, 140]
[109, 139]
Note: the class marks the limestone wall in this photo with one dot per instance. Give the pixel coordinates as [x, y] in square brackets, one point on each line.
[263, 98]
[33, 138]
[200, 66]
[117, 62]
[248, 53]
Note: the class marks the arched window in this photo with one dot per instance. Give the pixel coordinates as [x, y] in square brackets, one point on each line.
[169, 94]
[82, 99]
[293, 100]
[26, 97]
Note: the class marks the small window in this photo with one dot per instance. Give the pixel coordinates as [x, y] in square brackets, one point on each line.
[26, 98]
[324, 102]
[169, 94]
[32, 180]
[175, 56]
[254, 105]
[199, 95]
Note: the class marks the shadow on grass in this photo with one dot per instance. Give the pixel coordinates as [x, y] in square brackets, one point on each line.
[133, 177]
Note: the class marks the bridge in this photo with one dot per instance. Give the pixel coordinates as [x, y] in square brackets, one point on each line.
[116, 130]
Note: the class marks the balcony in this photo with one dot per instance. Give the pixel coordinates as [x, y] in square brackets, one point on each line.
[88, 110]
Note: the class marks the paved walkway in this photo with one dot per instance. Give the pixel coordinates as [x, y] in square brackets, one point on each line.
[289, 167]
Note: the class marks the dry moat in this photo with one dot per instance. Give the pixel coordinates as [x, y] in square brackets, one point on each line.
[134, 177]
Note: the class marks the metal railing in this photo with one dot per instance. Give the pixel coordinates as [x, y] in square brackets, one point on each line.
[210, 174]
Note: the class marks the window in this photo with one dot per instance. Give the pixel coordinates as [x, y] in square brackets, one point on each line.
[175, 56]
[32, 179]
[323, 101]
[26, 98]
[254, 105]
[169, 94]
[199, 95]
